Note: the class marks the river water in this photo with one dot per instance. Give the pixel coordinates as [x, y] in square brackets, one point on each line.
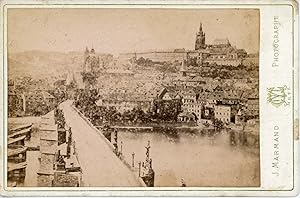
[198, 160]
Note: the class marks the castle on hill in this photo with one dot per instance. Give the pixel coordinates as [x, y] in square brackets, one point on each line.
[220, 52]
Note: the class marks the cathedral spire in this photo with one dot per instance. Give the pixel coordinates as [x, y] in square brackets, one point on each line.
[200, 39]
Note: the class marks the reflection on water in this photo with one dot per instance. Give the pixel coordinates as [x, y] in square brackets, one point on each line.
[198, 159]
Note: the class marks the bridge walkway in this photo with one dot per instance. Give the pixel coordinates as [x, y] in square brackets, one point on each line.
[100, 166]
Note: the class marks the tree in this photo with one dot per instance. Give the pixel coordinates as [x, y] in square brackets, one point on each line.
[167, 110]
[112, 115]
[218, 124]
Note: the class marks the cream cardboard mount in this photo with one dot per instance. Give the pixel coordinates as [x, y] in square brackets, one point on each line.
[149, 98]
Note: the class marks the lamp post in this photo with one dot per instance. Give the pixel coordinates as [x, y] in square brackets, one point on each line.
[133, 159]
[139, 169]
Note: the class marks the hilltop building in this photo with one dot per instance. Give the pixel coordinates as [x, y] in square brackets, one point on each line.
[220, 52]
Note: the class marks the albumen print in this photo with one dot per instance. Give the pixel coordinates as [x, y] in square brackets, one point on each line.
[133, 97]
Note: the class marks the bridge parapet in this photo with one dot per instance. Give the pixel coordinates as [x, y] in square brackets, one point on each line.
[112, 148]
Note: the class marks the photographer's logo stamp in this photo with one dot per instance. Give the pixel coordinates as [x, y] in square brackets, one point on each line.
[278, 96]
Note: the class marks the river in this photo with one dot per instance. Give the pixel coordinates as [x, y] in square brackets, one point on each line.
[198, 160]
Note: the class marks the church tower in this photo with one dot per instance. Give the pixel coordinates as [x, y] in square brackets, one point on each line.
[86, 54]
[200, 39]
[90, 66]
[183, 69]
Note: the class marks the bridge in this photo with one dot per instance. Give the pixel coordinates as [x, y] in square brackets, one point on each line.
[128, 127]
[100, 166]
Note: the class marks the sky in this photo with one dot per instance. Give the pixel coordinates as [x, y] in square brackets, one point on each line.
[128, 30]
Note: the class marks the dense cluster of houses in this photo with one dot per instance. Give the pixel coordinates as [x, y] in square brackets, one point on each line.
[198, 104]
[34, 102]
[224, 104]
[38, 97]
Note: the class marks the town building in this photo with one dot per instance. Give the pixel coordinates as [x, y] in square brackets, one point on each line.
[169, 93]
[231, 97]
[191, 106]
[190, 102]
[253, 105]
[223, 113]
[215, 96]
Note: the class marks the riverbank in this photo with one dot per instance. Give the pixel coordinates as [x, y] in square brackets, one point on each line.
[199, 156]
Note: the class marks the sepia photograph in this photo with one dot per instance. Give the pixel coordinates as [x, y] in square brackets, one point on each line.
[133, 97]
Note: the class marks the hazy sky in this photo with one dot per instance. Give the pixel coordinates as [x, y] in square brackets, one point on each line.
[128, 30]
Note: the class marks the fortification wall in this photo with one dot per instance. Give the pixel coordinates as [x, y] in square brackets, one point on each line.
[178, 56]
[250, 61]
[156, 56]
[233, 62]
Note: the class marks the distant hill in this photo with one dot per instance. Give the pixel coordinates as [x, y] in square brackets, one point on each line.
[38, 64]
[41, 64]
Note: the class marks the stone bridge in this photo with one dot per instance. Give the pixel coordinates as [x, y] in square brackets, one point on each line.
[100, 166]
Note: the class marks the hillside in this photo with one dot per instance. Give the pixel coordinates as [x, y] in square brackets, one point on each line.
[41, 64]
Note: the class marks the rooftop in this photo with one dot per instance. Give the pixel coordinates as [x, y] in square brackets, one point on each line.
[20, 127]
[13, 166]
[11, 152]
[222, 41]
[24, 131]
[13, 140]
